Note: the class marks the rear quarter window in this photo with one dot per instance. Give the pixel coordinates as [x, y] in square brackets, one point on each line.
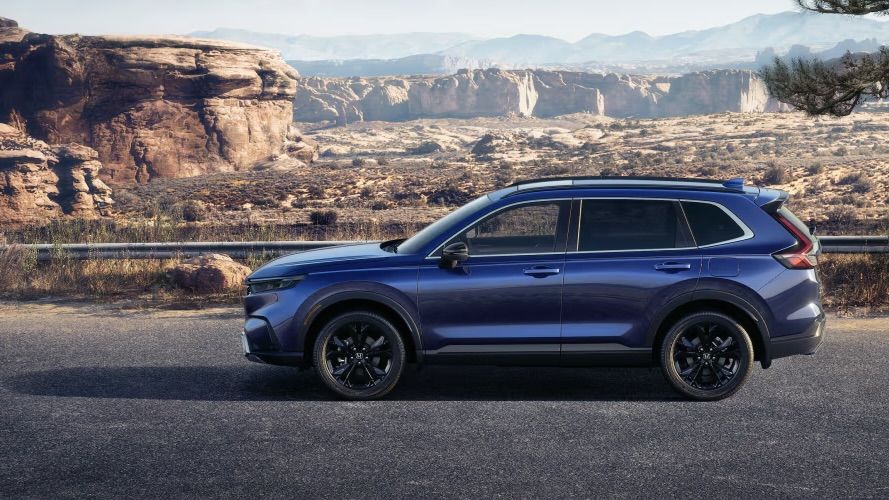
[711, 224]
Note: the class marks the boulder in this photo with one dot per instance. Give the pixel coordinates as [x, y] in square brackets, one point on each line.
[149, 106]
[208, 273]
[301, 148]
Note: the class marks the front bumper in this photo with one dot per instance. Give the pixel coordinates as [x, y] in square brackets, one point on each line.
[270, 357]
[807, 342]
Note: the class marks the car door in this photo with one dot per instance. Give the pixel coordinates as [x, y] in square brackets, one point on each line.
[503, 304]
[628, 258]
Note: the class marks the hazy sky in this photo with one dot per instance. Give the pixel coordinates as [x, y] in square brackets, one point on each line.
[568, 19]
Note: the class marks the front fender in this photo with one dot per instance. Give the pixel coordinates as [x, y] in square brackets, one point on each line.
[388, 296]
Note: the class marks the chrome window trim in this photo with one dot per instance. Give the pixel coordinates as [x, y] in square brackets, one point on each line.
[748, 233]
[544, 200]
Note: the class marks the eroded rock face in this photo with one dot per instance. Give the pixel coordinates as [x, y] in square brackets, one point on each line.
[495, 92]
[39, 181]
[717, 92]
[150, 106]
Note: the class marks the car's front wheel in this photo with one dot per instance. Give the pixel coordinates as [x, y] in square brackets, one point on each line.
[359, 355]
[706, 356]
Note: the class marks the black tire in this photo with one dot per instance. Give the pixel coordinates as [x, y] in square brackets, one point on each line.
[706, 356]
[359, 355]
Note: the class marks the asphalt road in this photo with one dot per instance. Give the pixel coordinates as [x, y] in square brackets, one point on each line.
[102, 402]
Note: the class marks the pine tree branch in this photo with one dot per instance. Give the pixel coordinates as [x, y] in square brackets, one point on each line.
[850, 7]
[832, 87]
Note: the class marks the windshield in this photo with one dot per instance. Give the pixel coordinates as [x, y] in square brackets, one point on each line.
[416, 242]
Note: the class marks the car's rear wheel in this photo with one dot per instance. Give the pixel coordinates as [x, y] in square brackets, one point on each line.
[706, 356]
[359, 355]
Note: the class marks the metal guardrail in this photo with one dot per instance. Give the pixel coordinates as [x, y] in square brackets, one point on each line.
[854, 244]
[830, 244]
[173, 249]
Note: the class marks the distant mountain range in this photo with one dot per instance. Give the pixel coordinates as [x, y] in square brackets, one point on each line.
[316, 48]
[726, 46]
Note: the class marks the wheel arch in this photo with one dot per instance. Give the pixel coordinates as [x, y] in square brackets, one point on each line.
[338, 303]
[734, 306]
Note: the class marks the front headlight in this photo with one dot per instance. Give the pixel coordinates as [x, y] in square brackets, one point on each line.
[270, 284]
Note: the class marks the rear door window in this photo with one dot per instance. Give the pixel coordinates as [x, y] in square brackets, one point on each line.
[626, 225]
[712, 224]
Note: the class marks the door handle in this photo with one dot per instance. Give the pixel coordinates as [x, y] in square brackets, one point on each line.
[672, 266]
[539, 272]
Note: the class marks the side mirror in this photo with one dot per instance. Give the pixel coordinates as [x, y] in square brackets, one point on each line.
[453, 254]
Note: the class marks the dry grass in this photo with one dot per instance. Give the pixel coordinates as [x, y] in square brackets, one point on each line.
[143, 280]
[855, 281]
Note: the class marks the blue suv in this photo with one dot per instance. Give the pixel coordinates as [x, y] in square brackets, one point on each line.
[700, 277]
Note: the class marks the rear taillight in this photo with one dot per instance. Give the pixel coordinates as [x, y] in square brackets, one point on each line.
[799, 256]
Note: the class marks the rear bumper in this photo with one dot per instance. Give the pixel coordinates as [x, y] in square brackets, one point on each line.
[806, 342]
[270, 357]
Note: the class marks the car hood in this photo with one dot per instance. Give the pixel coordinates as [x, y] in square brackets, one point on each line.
[302, 262]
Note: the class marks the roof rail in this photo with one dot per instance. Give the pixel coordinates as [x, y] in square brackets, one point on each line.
[736, 184]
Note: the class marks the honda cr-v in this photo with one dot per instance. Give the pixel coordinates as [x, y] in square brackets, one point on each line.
[702, 278]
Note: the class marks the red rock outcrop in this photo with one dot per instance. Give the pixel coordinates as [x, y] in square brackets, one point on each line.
[39, 181]
[150, 106]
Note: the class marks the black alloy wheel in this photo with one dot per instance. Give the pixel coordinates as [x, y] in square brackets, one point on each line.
[706, 356]
[359, 355]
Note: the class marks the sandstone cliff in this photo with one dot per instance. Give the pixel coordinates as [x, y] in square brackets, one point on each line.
[150, 106]
[496, 92]
[39, 181]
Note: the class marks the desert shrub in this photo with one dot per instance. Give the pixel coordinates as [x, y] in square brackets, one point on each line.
[775, 174]
[266, 202]
[815, 168]
[552, 170]
[18, 264]
[448, 196]
[841, 216]
[359, 162]
[709, 171]
[323, 217]
[194, 211]
[504, 176]
[863, 185]
[382, 161]
[841, 151]
[426, 148]
[849, 179]
[316, 192]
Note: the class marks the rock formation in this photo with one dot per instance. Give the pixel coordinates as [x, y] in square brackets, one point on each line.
[150, 106]
[709, 92]
[39, 181]
[497, 92]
